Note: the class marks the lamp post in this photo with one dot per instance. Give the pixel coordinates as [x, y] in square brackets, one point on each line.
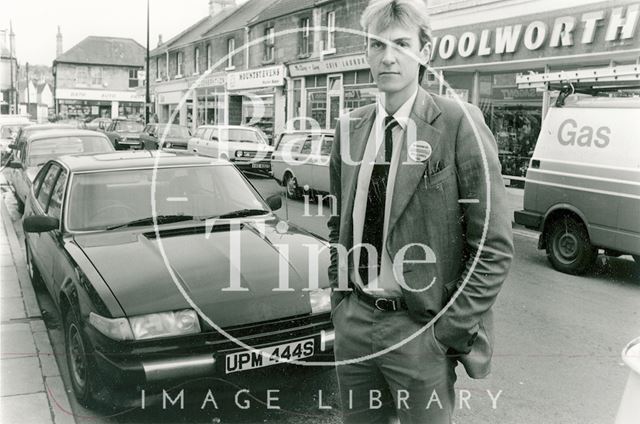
[147, 96]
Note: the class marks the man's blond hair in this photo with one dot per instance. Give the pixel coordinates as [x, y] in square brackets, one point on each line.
[381, 14]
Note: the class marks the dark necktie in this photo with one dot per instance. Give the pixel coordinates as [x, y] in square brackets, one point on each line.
[372, 231]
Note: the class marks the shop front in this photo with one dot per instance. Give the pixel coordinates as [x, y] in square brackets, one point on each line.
[84, 104]
[479, 63]
[168, 96]
[256, 98]
[211, 99]
[319, 91]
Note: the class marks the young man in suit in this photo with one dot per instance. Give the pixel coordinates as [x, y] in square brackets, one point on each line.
[422, 240]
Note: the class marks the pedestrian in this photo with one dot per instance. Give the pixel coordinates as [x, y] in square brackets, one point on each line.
[422, 230]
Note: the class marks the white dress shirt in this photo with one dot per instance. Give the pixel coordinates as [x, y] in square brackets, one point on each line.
[374, 153]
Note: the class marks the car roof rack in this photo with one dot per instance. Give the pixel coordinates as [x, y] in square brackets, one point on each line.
[585, 81]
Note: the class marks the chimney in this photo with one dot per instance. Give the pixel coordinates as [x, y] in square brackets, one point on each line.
[159, 40]
[59, 43]
[216, 6]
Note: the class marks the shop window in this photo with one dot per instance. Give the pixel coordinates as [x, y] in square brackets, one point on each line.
[349, 78]
[208, 54]
[310, 81]
[321, 81]
[231, 46]
[364, 77]
[304, 41]
[133, 78]
[96, 75]
[317, 106]
[330, 41]
[297, 102]
[196, 60]
[269, 44]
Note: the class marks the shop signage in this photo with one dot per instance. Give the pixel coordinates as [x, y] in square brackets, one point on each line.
[573, 31]
[115, 96]
[328, 66]
[272, 76]
[212, 80]
[513, 93]
[171, 98]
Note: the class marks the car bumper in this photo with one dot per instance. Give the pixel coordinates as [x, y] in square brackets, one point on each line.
[260, 166]
[153, 368]
[531, 220]
[129, 145]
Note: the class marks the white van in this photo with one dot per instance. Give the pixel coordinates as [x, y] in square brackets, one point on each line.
[582, 188]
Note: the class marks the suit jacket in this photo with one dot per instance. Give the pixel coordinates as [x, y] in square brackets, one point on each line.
[454, 202]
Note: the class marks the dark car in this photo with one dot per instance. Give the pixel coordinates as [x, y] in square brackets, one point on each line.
[171, 136]
[125, 134]
[143, 305]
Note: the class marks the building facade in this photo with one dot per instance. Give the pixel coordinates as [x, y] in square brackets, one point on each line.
[98, 77]
[301, 63]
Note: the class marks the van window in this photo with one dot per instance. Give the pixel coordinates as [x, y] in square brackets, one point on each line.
[47, 186]
[306, 148]
[292, 142]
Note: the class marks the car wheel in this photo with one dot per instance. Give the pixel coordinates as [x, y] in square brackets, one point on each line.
[568, 246]
[32, 269]
[291, 186]
[80, 361]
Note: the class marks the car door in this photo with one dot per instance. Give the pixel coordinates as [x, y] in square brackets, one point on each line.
[304, 164]
[43, 245]
[320, 171]
[59, 257]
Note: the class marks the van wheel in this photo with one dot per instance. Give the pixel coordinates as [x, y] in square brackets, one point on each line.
[568, 247]
[291, 185]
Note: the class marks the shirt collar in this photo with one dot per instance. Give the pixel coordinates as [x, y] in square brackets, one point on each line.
[402, 114]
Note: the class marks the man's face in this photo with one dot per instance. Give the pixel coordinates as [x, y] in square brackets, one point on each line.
[393, 64]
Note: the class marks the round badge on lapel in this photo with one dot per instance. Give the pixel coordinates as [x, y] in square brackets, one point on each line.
[420, 151]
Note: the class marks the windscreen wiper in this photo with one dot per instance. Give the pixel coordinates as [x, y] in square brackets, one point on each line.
[160, 219]
[239, 214]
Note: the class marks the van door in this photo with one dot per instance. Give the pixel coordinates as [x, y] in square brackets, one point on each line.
[320, 171]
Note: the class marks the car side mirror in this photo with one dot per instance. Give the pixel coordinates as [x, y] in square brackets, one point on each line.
[13, 146]
[274, 202]
[40, 224]
[15, 165]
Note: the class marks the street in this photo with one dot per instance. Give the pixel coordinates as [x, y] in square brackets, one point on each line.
[556, 360]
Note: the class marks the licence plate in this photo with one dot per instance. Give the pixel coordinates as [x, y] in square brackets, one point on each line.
[246, 360]
[260, 165]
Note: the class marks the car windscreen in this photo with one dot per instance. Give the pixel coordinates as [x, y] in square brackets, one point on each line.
[237, 135]
[6, 131]
[126, 126]
[42, 150]
[174, 131]
[100, 200]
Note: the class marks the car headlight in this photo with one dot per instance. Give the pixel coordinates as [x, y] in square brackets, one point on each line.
[167, 145]
[165, 324]
[320, 300]
[239, 153]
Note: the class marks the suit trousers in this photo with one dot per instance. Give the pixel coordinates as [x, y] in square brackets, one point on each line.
[413, 383]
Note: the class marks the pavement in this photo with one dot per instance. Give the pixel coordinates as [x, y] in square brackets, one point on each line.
[31, 389]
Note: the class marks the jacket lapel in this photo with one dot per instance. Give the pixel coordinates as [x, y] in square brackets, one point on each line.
[410, 173]
[355, 145]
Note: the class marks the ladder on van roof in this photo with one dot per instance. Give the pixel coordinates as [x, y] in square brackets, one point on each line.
[585, 81]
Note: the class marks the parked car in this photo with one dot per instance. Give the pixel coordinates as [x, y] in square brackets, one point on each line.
[301, 160]
[99, 124]
[9, 129]
[41, 146]
[125, 134]
[582, 189]
[246, 147]
[176, 137]
[127, 323]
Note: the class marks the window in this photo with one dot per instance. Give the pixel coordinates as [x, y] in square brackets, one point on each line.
[96, 75]
[305, 37]
[47, 186]
[306, 148]
[330, 45]
[196, 61]
[269, 44]
[133, 78]
[178, 64]
[327, 144]
[231, 46]
[157, 68]
[208, 56]
[82, 75]
[55, 204]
